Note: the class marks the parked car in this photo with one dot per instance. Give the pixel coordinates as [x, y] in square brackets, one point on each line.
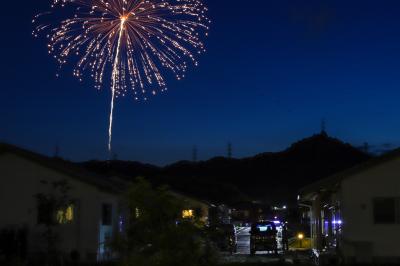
[224, 236]
[263, 237]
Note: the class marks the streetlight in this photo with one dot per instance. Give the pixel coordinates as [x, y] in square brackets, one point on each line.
[300, 237]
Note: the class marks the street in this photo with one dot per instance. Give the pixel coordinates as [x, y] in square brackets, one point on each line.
[243, 241]
[243, 251]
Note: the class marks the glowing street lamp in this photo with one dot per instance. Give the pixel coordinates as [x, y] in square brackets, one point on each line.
[300, 237]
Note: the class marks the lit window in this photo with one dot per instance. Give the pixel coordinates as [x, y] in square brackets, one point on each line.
[65, 216]
[187, 214]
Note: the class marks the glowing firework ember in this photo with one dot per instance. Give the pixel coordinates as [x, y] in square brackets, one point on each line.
[132, 39]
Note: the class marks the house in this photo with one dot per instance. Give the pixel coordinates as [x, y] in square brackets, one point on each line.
[193, 207]
[83, 224]
[355, 215]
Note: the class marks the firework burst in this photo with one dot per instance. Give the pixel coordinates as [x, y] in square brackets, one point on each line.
[134, 40]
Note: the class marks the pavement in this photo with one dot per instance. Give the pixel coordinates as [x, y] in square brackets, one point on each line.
[243, 251]
[243, 241]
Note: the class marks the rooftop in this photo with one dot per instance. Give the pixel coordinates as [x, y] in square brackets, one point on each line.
[331, 182]
[105, 183]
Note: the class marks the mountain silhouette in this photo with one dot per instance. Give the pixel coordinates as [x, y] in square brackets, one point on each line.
[270, 177]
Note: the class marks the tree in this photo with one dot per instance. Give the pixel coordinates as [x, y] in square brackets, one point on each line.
[156, 233]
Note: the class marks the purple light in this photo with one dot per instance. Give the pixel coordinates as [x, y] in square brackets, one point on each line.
[277, 222]
[121, 224]
[338, 222]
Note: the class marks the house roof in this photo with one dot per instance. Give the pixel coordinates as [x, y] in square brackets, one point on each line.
[107, 184]
[331, 182]
[188, 198]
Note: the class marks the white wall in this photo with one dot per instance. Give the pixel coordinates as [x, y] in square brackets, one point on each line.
[357, 195]
[20, 180]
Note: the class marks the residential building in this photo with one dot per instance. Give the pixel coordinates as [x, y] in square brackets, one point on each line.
[193, 207]
[355, 215]
[82, 226]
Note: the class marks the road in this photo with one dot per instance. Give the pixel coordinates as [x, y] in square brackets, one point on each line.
[243, 241]
[243, 251]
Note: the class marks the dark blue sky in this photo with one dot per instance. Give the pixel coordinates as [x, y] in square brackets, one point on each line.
[272, 71]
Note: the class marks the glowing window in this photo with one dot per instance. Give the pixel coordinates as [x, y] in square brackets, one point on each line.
[187, 214]
[65, 216]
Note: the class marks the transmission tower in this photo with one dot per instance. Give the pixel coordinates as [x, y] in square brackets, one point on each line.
[194, 154]
[229, 150]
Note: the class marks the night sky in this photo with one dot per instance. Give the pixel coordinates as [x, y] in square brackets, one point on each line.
[273, 70]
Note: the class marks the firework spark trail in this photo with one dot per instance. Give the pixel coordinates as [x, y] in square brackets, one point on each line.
[114, 82]
[134, 39]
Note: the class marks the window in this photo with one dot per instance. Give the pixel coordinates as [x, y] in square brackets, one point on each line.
[137, 213]
[65, 215]
[187, 214]
[106, 214]
[386, 210]
[48, 214]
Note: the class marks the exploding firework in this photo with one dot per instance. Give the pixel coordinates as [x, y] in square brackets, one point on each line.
[134, 40]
